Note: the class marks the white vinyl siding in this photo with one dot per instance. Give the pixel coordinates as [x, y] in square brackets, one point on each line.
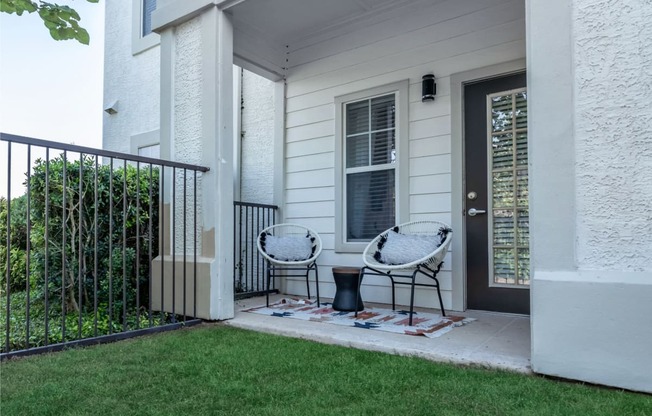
[443, 38]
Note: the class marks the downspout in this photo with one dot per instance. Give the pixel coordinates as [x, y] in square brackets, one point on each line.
[238, 106]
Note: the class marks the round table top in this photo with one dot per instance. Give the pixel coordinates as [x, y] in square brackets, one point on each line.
[346, 270]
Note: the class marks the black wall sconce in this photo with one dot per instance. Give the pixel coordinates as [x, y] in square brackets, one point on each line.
[428, 88]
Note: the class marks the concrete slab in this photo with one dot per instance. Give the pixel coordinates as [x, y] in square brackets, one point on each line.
[494, 340]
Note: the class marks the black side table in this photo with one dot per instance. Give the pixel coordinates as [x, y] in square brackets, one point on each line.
[346, 279]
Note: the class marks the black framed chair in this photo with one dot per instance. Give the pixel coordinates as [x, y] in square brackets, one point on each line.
[407, 251]
[290, 248]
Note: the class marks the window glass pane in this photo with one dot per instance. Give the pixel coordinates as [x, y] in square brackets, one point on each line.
[357, 117]
[502, 151]
[521, 110]
[357, 151]
[148, 7]
[523, 228]
[521, 148]
[382, 113]
[370, 206]
[503, 189]
[504, 266]
[382, 148]
[503, 227]
[522, 193]
[523, 266]
[501, 113]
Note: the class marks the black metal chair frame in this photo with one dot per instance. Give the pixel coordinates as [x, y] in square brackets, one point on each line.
[420, 269]
[276, 267]
[273, 271]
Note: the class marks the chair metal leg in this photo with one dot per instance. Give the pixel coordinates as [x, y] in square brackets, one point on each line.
[433, 275]
[317, 283]
[441, 304]
[308, 281]
[357, 289]
[269, 277]
[414, 277]
[393, 292]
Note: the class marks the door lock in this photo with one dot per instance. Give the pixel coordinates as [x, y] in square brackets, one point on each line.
[473, 212]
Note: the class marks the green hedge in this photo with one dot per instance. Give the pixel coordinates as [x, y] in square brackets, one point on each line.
[121, 282]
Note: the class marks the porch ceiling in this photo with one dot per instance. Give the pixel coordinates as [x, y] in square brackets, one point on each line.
[267, 32]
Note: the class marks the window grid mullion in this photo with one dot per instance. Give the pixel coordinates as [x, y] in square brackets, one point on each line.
[369, 133]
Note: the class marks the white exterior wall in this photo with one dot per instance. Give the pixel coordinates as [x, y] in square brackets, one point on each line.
[187, 145]
[132, 80]
[257, 141]
[455, 36]
[613, 134]
[591, 309]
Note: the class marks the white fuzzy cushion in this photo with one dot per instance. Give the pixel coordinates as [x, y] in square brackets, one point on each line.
[403, 249]
[288, 248]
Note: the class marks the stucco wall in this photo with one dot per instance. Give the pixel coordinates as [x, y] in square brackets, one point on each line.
[187, 138]
[257, 141]
[590, 299]
[132, 80]
[613, 137]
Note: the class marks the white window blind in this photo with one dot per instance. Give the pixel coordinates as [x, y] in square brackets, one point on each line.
[370, 160]
[148, 7]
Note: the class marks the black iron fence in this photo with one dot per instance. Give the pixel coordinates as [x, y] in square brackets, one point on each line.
[249, 220]
[80, 236]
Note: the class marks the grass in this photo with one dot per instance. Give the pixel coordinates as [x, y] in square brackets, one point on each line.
[218, 370]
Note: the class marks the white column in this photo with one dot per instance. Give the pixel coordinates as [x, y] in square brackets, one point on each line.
[590, 239]
[551, 141]
[197, 127]
[217, 139]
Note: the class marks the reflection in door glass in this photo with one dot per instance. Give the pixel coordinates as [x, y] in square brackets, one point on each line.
[508, 159]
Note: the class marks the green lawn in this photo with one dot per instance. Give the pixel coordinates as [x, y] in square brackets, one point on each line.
[214, 369]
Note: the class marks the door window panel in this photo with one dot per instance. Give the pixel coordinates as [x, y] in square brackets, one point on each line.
[508, 164]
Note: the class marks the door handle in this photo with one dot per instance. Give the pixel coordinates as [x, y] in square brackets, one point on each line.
[473, 212]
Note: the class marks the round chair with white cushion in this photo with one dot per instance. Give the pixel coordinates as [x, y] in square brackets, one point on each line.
[405, 251]
[290, 247]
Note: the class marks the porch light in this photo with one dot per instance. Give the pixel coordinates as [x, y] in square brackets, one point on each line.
[428, 88]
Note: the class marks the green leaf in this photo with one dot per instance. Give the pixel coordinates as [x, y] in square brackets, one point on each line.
[17, 6]
[83, 36]
[61, 21]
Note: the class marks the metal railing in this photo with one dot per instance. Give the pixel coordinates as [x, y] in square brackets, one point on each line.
[81, 242]
[249, 220]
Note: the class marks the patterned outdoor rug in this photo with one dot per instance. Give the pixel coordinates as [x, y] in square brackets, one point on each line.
[428, 324]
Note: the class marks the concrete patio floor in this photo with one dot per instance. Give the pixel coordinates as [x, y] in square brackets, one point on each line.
[494, 340]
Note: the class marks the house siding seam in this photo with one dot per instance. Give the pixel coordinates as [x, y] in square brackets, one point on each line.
[483, 35]
[613, 90]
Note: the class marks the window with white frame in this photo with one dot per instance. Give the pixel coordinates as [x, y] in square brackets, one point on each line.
[142, 36]
[146, 144]
[148, 7]
[153, 151]
[371, 153]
